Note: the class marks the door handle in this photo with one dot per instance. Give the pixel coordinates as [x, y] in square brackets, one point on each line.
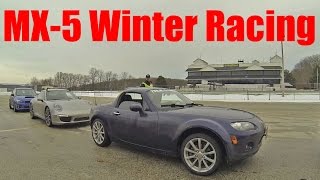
[116, 113]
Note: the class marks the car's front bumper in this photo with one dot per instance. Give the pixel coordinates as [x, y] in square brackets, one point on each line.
[22, 106]
[61, 119]
[248, 145]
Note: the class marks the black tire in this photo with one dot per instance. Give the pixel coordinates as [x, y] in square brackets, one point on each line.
[48, 118]
[32, 112]
[95, 125]
[14, 108]
[213, 147]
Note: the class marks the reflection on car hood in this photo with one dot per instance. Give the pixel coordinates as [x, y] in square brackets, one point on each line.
[73, 105]
[23, 97]
[217, 113]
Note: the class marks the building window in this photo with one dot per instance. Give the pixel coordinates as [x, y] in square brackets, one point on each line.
[224, 74]
[239, 73]
[255, 73]
[209, 74]
[272, 73]
[193, 74]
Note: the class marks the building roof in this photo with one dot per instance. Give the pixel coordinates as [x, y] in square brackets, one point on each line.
[275, 63]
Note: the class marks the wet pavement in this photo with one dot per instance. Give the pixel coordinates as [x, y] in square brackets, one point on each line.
[31, 150]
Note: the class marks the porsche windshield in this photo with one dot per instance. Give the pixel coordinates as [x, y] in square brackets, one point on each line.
[168, 98]
[60, 95]
[25, 92]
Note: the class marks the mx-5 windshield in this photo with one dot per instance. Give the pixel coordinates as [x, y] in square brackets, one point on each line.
[60, 95]
[25, 92]
[168, 98]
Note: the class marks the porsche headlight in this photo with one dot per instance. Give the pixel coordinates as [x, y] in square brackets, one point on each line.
[57, 107]
[243, 126]
[18, 100]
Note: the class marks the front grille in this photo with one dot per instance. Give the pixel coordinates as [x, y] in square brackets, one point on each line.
[81, 119]
[65, 119]
[27, 102]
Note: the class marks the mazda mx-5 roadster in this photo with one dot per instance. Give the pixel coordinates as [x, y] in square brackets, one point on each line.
[59, 106]
[166, 121]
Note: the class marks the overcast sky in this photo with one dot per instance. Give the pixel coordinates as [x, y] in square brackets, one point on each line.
[21, 61]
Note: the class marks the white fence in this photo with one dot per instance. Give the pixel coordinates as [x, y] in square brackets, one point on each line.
[5, 93]
[232, 97]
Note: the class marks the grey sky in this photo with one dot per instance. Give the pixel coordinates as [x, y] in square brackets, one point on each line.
[21, 61]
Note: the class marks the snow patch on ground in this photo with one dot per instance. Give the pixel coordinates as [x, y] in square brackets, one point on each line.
[239, 97]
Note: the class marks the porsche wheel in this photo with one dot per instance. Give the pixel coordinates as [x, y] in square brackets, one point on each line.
[201, 154]
[99, 133]
[32, 113]
[48, 118]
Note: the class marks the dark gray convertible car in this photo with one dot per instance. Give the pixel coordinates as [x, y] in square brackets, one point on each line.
[166, 121]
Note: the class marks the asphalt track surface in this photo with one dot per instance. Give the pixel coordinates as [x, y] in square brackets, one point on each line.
[30, 150]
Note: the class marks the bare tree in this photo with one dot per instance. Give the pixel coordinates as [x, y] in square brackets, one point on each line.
[303, 71]
[101, 77]
[93, 73]
[108, 78]
[34, 81]
[124, 77]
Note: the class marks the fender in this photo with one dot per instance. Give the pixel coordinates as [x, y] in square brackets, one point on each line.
[207, 124]
[97, 115]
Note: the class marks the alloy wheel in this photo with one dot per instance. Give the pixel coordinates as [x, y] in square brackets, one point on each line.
[98, 132]
[31, 112]
[48, 117]
[200, 155]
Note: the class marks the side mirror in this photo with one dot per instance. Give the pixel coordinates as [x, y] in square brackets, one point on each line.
[40, 100]
[136, 108]
[12, 94]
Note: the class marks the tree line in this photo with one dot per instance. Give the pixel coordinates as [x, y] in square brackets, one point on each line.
[98, 79]
[304, 74]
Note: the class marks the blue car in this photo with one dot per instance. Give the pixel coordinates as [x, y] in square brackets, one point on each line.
[20, 99]
[166, 121]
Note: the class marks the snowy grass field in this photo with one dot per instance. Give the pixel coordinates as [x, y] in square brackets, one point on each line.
[221, 96]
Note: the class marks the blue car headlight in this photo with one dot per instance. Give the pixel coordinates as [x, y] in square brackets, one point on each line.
[57, 107]
[18, 100]
[243, 126]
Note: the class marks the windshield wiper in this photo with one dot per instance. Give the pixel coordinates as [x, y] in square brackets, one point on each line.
[172, 105]
[194, 104]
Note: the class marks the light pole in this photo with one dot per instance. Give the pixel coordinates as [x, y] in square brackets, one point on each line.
[317, 77]
[282, 72]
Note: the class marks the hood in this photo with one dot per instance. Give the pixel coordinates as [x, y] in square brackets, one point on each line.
[216, 113]
[23, 97]
[73, 106]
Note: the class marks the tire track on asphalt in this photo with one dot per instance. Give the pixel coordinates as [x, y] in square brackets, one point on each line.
[11, 130]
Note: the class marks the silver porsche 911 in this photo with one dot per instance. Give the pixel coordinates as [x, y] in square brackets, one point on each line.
[59, 106]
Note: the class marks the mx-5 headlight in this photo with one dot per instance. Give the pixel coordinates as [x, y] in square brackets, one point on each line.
[243, 126]
[57, 107]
